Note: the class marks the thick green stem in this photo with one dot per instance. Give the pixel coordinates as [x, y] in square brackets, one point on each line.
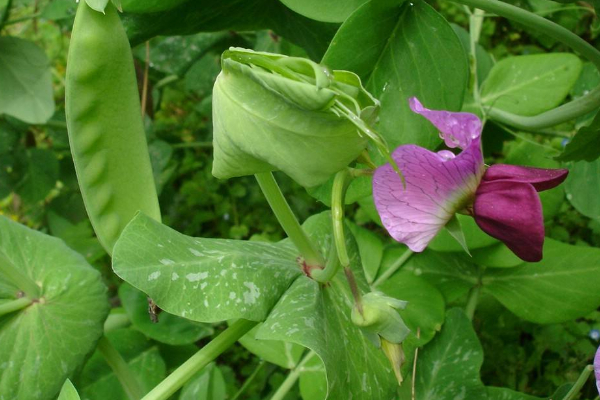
[338, 194]
[331, 267]
[475, 24]
[14, 305]
[23, 282]
[113, 358]
[207, 354]
[583, 377]
[472, 301]
[292, 377]
[393, 268]
[575, 108]
[288, 221]
[116, 321]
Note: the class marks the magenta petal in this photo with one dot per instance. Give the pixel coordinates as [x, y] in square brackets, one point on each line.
[511, 212]
[437, 186]
[457, 129]
[540, 178]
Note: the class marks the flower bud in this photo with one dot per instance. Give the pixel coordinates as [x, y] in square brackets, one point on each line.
[380, 317]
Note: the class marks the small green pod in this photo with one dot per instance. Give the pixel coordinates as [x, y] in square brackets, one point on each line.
[106, 131]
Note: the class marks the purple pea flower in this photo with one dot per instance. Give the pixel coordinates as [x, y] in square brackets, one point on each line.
[503, 199]
[597, 369]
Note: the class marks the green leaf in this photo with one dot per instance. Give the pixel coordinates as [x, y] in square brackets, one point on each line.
[98, 382]
[269, 284]
[496, 393]
[531, 84]
[98, 5]
[232, 15]
[565, 285]
[145, 6]
[313, 381]
[453, 274]
[410, 51]
[474, 237]
[370, 248]
[47, 341]
[264, 121]
[26, 81]
[324, 10]
[41, 174]
[169, 329]
[426, 307]
[208, 384]
[455, 230]
[497, 256]
[284, 354]
[584, 145]
[448, 367]
[207, 280]
[582, 186]
[68, 392]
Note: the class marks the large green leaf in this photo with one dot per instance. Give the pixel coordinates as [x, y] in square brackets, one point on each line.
[98, 382]
[563, 286]
[205, 280]
[496, 393]
[40, 174]
[324, 10]
[212, 280]
[532, 84]
[208, 384]
[47, 341]
[232, 15]
[284, 354]
[68, 392]
[584, 146]
[582, 187]
[448, 368]
[26, 81]
[410, 51]
[169, 329]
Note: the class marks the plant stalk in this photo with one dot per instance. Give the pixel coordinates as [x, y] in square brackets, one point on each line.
[248, 381]
[288, 221]
[124, 374]
[292, 377]
[583, 377]
[14, 305]
[202, 358]
[395, 267]
[472, 301]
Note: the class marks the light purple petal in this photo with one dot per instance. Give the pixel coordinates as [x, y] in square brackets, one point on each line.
[436, 188]
[597, 368]
[457, 129]
[511, 212]
[540, 178]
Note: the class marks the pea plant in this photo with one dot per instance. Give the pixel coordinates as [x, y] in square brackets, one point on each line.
[443, 182]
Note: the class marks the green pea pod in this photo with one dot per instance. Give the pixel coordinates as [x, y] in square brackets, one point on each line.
[272, 112]
[106, 131]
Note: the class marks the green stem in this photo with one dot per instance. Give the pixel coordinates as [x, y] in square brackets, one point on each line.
[354, 289]
[124, 374]
[393, 268]
[475, 24]
[202, 358]
[288, 221]
[472, 301]
[14, 305]
[204, 145]
[571, 110]
[18, 278]
[22, 19]
[249, 380]
[583, 377]
[5, 14]
[332, 266]
[292, 377]
[338, 194]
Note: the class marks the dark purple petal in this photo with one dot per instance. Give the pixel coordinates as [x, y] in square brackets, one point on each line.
[597, 368]
[437, 186]
[511, 212]
[457, 129]
[540, 178]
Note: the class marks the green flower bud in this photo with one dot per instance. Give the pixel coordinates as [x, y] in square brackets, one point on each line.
[379, 317]
[272, 112]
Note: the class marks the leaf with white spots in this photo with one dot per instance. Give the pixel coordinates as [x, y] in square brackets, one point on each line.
[44, 343]
[448, 367]
[206, 280]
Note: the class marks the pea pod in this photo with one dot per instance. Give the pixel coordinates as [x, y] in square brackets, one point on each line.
[106, 131]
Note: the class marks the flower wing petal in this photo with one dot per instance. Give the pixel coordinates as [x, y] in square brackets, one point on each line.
[458, 129]
[511, 212]
[540, 178]
[436, 188]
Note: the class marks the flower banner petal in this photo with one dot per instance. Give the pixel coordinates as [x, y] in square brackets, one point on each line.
[511, 212]
[458, 129]
[541, 178]
[436, 188]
